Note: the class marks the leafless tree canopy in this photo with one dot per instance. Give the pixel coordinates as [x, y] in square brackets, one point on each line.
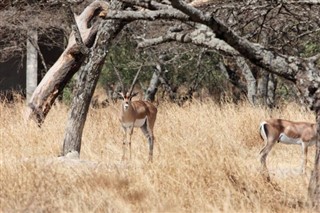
[279, 37]
[47, 17]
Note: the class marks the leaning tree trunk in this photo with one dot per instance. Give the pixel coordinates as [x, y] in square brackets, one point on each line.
[68, 63]
[86, 84]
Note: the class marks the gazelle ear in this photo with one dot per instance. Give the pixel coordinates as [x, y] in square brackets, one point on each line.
[134, 94]
[120, 95]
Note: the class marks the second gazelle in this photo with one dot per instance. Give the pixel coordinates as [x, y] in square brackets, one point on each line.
[288, 132]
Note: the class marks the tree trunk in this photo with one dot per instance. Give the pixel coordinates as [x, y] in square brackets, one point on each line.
[68, 63]
[233, 72]
[86, 85]
[32, 64]
[250, 79]
[271, 90]
[154, 83]
[262, 89]
[314, 184]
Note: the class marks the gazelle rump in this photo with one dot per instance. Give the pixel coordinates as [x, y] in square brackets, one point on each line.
[288, 132]
[141, 114]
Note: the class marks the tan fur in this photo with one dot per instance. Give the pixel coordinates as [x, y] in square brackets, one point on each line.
[137, 110]
[279, 130]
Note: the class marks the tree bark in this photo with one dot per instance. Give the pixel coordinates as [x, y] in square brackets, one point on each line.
[32, 63]
[314, 184]
[271, 91]
[154, 83]
[251, 82]
[86, 85]
[67, 64]
[262, 89]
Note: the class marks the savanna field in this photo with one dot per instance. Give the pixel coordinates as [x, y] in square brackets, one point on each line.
[206, 159]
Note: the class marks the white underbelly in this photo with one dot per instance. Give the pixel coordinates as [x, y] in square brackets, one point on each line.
[140, 122]
[287, 140]
[136, 123]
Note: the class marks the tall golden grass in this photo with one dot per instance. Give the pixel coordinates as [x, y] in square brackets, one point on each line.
[205, 160]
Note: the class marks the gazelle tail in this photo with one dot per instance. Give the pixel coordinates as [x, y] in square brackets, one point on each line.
[264, 131]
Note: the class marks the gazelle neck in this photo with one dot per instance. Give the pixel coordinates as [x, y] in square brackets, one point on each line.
[127, 111]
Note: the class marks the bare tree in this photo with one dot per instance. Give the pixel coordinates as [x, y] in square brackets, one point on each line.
[301, 71]
[68, 63]
[86, 84]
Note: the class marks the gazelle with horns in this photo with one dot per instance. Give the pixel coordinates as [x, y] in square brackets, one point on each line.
[288, 132]
[137, 113]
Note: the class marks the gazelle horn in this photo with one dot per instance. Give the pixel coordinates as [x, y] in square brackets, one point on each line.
[118, 75]
[134, 81]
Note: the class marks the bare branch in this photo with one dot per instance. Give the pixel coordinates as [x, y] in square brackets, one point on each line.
[202, 36]
[83, 48]
[314, 58]
[148, 4]
[310, 2]
[147, 15]
[281, 65]
[54, 2]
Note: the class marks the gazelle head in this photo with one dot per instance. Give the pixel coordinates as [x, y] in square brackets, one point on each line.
[126, 96]
[126, 99]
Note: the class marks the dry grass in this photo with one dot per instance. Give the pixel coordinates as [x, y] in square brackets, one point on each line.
[205, 160]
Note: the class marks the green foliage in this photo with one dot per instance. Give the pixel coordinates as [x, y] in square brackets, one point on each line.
[67, 93]
[188, 66]
[286, 91]
[127, 60]
[310, 48]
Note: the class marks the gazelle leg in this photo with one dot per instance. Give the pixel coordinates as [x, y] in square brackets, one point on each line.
[304, 157]
[124, 143]
[148, 134]
[130, 135]
[151, 141]
[263, 157]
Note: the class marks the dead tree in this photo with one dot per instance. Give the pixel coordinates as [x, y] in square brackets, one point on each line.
[68, 63]
[300, 71]
[86, 84]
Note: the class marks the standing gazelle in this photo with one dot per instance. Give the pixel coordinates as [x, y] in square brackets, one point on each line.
[136, 113]
[288, 132]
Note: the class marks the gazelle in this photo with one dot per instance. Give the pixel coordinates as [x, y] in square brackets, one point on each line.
[136, 113]
[288, 132]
